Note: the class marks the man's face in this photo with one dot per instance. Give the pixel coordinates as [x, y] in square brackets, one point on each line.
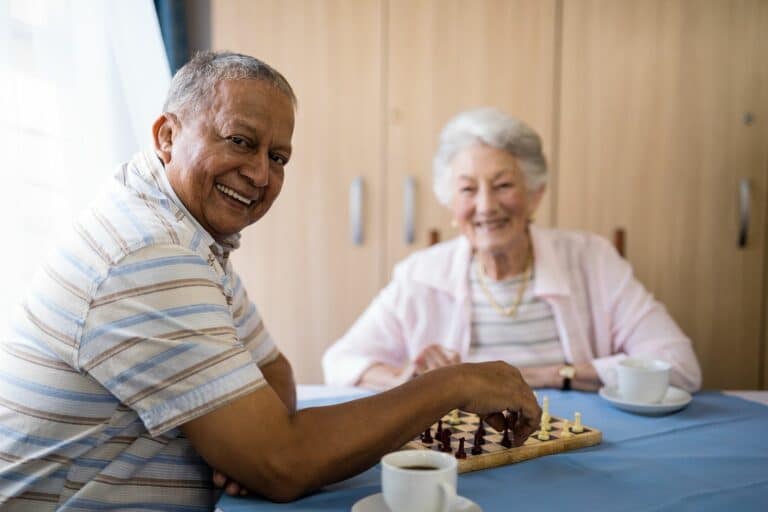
[226, 160]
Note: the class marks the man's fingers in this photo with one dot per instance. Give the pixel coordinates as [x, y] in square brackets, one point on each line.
[233, 489]
[496, 420]
[219, 478]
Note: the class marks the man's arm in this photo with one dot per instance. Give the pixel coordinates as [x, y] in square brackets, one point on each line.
[259, 443]
[279, 375]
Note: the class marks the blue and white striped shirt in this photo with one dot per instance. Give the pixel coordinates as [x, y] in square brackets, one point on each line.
[134, 326]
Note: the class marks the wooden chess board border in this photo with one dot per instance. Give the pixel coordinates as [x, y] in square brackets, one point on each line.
[532, 449]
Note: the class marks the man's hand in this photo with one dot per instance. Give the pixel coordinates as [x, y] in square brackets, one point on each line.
[435, 356]
[221, 481]
[496, 386]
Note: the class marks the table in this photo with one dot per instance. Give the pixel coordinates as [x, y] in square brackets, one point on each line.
[713, 455]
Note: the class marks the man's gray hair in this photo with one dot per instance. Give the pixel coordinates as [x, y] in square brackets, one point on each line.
[196, 79]
[496, 129]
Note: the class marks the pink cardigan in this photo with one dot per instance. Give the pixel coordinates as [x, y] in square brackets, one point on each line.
[603, 313]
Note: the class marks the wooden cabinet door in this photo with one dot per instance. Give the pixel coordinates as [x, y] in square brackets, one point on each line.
[446, 56]
[664, 113]
[298, 263]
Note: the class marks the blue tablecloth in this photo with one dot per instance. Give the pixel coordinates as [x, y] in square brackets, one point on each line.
[713, 455]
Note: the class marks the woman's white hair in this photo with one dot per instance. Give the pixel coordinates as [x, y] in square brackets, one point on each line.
[496, 129]
[193, 83]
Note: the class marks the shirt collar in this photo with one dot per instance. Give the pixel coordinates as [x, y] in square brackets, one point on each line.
[157, 167]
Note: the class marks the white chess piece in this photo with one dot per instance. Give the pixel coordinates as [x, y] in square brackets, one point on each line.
[566, 432]
[577, 426]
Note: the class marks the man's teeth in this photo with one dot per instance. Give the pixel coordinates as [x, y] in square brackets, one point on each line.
[231, 193]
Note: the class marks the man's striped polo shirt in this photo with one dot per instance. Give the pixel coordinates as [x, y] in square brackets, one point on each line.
[136, 324]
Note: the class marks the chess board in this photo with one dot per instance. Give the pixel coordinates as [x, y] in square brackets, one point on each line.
[494, 454]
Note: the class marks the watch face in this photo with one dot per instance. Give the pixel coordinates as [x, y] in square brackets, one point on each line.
[567, 371]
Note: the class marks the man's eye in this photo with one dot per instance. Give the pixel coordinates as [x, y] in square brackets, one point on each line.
[505, 184]
[278, 159]
[237, 140]
[467, 190]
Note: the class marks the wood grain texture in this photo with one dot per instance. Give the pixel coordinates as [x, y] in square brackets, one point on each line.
[452, 55]
[653, 140]
[298, 263]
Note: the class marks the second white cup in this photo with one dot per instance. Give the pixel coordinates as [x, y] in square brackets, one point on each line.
[643, 380]
[419, 481]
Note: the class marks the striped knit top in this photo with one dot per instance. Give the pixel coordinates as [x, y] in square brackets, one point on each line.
[530, 338]
[134, 326]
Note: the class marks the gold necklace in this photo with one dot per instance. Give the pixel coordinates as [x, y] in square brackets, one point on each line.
[511, 310]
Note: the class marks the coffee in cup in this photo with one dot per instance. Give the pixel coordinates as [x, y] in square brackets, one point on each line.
[643, 380]
[419, 481]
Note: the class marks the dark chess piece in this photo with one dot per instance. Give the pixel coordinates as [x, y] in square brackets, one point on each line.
[481, 428]
[460, 453]
[439, 431]
[426, 437]
[445, 437]
[479, 433]
[505, 441]
[476, 450]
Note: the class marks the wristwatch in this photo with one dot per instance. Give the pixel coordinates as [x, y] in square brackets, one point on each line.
[567, 372]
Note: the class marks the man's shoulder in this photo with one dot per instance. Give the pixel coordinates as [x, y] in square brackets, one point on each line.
[123, 221]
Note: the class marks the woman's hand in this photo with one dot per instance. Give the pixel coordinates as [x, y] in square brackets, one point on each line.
[435, 356]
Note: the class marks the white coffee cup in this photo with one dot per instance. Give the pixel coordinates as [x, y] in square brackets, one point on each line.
[419, 481]
[643, 380]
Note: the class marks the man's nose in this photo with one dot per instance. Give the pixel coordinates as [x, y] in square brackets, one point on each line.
[257, 170]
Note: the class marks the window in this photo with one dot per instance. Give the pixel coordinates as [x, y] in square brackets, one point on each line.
[80, 83]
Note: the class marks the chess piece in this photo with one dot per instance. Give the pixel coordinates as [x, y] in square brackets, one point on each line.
[543, 435]
[545, 425]
[446, 440]
[454, 419]
[577, 427]
[460, 453]
[426, 437]
[476, 449]
[481, 428]
[506, 442]
[545, 409]
[439, 431]
[566, 430]
[479, 433]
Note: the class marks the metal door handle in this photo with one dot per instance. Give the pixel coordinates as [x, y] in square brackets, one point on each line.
[409, 199]
[356, 210]
[743, 212]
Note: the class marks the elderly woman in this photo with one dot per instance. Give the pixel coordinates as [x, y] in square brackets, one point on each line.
[562, 306]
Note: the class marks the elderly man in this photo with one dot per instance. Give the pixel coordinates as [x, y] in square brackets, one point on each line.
[137, 361]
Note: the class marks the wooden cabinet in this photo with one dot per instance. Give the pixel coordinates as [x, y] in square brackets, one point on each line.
[448, 56]
[655, 137]
[652, 114]
[298, 263]
[376, 80]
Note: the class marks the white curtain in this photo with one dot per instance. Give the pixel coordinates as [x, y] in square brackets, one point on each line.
[81, 82]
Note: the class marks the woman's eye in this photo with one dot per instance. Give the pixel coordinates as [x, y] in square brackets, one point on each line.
[467, 190]
[505, 184]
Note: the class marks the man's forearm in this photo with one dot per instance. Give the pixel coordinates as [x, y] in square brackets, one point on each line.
[279, 375]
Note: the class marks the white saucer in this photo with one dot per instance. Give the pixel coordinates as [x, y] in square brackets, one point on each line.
[375, 503]
[674, 400]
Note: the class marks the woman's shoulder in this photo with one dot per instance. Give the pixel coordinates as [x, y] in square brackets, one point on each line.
[435, 263]
[572, 240]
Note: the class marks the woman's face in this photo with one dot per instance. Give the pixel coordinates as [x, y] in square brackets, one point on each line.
[491, 202]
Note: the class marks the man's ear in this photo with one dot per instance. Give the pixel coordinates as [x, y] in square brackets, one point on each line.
[163, 132]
